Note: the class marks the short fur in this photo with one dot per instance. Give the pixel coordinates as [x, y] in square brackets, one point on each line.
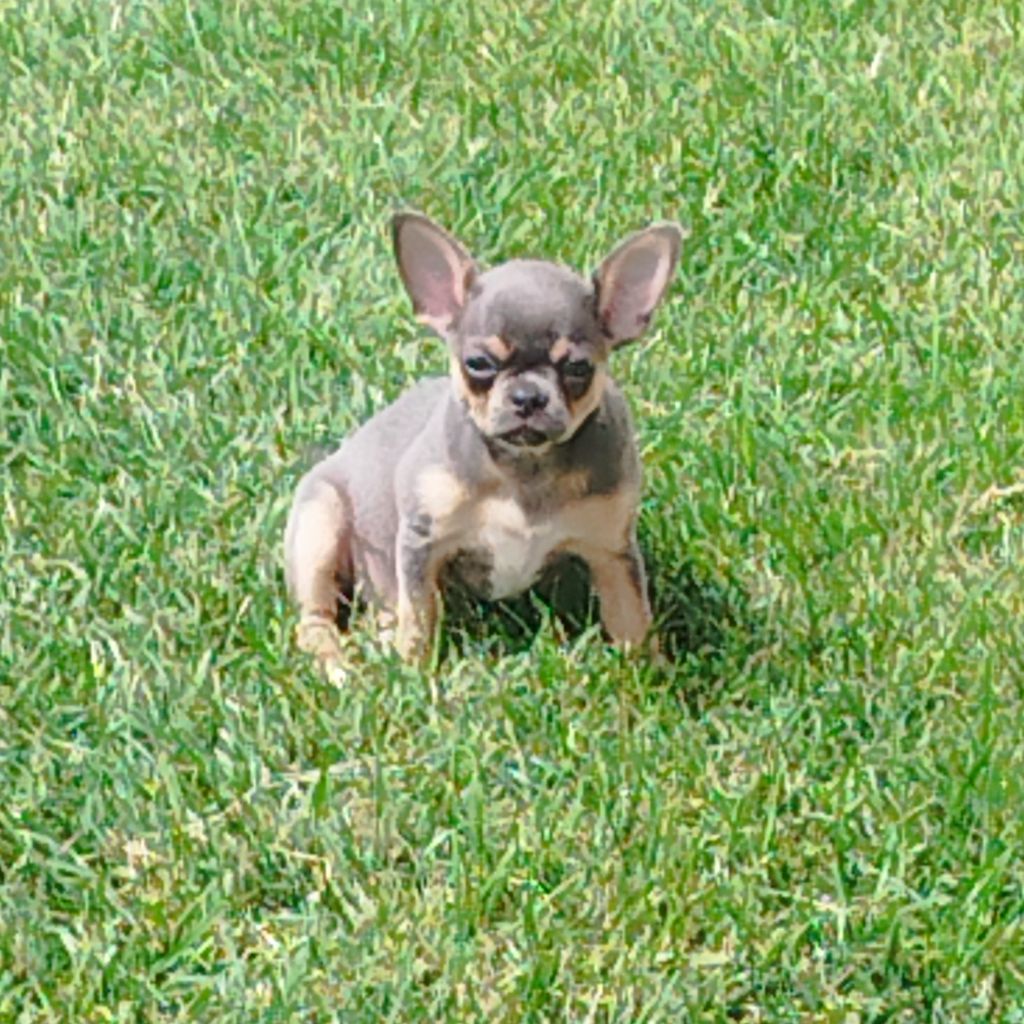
[524, 455]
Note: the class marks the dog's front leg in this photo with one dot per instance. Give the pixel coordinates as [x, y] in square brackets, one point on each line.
[619, 580]
[417, 593]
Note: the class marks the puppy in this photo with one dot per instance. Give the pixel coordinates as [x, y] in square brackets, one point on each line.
[525, 454]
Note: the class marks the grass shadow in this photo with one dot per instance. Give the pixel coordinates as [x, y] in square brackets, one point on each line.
[511, 625]
[696, 619]
[701, 624]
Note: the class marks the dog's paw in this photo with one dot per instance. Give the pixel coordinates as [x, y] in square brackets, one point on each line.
[414, 632]
[646, 652]
[387, 627]
[320, 637]
[408, 642]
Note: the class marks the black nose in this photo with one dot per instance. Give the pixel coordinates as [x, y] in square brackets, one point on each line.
[528, 398]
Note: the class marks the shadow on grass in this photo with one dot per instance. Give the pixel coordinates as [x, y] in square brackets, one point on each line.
[697, 620]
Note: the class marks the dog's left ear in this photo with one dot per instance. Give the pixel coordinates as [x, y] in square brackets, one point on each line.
[633, 278]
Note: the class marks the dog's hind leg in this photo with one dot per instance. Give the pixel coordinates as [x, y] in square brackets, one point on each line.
[318, 563]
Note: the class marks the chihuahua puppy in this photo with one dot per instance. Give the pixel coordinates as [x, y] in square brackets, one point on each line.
[524, 455]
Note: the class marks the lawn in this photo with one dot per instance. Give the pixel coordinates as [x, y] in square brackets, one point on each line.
[814, 814]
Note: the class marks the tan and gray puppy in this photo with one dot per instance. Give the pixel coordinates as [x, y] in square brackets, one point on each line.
[525, 454]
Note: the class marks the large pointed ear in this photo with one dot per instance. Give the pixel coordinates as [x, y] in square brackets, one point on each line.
[436, 271]
[632, 280]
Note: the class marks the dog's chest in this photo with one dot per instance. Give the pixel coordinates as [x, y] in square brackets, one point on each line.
[510, 547]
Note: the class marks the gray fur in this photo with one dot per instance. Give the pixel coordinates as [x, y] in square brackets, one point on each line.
[531, 302]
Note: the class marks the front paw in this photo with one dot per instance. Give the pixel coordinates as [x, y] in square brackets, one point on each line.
[413, 636]
[645, 649]
[412, 643]
[320, 637]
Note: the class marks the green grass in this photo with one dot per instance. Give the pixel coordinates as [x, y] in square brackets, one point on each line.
[815, 815]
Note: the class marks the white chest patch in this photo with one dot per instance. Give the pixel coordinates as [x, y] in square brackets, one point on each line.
[515, 547]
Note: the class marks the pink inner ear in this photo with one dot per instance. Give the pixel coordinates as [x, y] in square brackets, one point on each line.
[435, 274]
[436, 280]
[633, 279]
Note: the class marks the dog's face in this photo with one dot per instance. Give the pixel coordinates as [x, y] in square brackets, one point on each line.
[529, 339]
[528, 354]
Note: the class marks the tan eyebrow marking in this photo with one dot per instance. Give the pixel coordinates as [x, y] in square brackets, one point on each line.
[560, 350]
[498, 347]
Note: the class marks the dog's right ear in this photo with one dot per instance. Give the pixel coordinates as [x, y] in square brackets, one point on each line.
[436, 271]
[633, 279]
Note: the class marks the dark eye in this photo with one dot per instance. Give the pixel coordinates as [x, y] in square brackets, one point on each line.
[577, 369]
[481, 367]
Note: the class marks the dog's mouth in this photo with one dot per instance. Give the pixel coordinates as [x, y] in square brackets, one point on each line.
[526, 437]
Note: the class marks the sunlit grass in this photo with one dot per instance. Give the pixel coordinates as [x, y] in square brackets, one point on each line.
[815, 815]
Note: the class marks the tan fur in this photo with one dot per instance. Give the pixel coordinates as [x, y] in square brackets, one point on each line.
[440, 492]
[573, 486]
[320, 637]
[498, 347]
[624, 609]
[560, 350]
[477, 404]
[588, 403]
[313, 549]
[416, 624]
[600, 522]
[603, 538]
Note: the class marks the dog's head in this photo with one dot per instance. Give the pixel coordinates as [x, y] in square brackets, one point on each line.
[529, 339]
